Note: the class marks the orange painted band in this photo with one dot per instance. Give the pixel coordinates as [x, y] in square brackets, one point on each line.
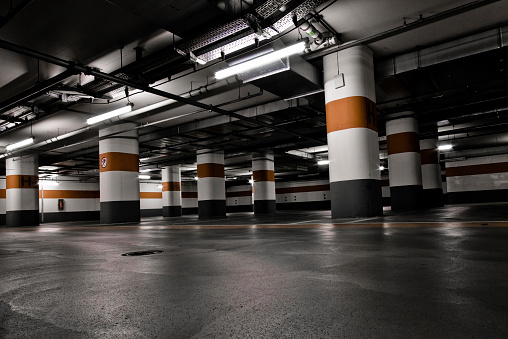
[69, 194]
[385, 183]
[302, 189]
[210, 170]
[499, 167]
[263, 175]
[189, 195]
[171, 186]
[238, 194]
[117, 161]
[402, 143]
[429, 156]
[22, 181]
[2, 193]
[150, 195]
[352, 112]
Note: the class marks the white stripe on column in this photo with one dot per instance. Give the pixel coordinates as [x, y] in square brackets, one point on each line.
[405, 169]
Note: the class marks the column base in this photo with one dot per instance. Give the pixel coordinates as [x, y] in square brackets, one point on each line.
[433, 197]
[264, 206]
[211, 209]
[120, 211]
[406, 197]
[21, 218]
[356, 198]
[171, 211]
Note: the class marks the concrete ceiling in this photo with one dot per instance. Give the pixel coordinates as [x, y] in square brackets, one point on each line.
[464, 83]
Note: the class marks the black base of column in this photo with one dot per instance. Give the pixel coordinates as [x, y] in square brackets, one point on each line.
[477, 196]
[356, 198]
[406, 197]
[120, 211]
[264, 206]
[2, 219]
[21, 218]
[211, 209]
[171, 211]
[71, 216]
[433, 197]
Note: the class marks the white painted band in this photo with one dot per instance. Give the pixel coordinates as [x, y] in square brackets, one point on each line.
[22, 199]
[171, 198]
[264, 190]
[130, 146]
[431, 176]
[402, 125]
[211, 188]
[119, 186]
[405, 169]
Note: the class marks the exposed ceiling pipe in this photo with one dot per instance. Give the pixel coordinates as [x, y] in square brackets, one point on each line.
[90, 71]
[401, 29]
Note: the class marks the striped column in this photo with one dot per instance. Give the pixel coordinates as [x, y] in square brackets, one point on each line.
[405, 170]
[119, 171]
[353, 148]
[171, 191]
[431, 173]
[22, 191]
[263, 175]
[211, 184]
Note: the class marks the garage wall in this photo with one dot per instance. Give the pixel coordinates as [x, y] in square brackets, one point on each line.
[189, 197]
[239, 198]
[80, 201]
[310, 194]
[150, 199]
[476, 180]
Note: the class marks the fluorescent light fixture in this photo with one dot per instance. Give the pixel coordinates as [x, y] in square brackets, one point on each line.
[48, 183]
[196, 178]
[22, 143]
[110, 115]
[445, 147]
[196, 59]
[323, 162]
[381, 168]
[159, 186]
[251, 181]
[145, 177]
[262, 60]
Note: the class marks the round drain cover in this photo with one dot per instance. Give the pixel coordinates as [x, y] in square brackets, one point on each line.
[133, 254]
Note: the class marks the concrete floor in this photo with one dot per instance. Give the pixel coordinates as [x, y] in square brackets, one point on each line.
[292, 275]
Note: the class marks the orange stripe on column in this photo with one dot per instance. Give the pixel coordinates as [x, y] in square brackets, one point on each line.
[189, 195]
[69, 194]
[2, 193]
[150, 195]
[301, 189]
[500, 167]
[402, 143]
[21, 181]
[429, 156]
[117, 161]
[263, 175]
[171, 186]
[210, 170]
[352, 112]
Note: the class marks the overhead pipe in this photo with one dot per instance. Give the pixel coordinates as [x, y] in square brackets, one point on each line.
[401, 29]
[90, 71]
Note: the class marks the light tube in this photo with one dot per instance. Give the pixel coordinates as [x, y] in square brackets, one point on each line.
[262, 60]
[323, 162]
[20, 144]
[109, 115]
[145, 177]
[445, 147]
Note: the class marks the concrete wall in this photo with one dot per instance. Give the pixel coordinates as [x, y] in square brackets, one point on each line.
[189, 197]
[239, 198]
[476, 180]
[310, 194]
[80, 201]
[150, 199]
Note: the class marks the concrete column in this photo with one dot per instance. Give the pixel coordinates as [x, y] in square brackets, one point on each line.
[405, 170]
[263, 175]
[211, 184]
[119, 171]
[431, 173]
[353, 149]
[171, 191]
[22, 191]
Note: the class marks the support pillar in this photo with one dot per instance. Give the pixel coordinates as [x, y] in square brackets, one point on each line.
[263, 174]
[119, 174]
[404, 163]
[22, 191]
[431, 173]
[171, 191]
[353, 148]
[211, 184]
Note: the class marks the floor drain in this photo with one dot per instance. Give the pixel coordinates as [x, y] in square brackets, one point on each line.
[133, 254]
